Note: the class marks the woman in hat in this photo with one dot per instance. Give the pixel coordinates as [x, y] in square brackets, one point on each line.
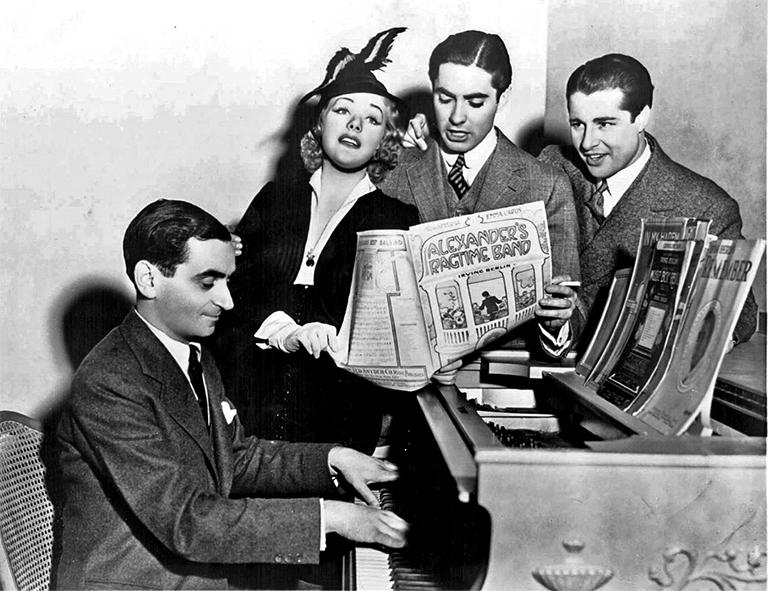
[294, 276]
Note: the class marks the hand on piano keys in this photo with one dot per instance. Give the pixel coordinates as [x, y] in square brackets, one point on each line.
[361, 523]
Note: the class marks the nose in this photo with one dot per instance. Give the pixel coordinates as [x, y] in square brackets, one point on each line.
[355, 123]
[458, 113]
[589, 138]
[223, 299]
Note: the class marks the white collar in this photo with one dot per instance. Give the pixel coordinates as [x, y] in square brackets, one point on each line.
[620, 182]
[475, 158]
[364, 187]
[178, 350]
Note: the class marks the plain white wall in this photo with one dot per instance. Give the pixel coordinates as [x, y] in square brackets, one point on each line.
[106, 106]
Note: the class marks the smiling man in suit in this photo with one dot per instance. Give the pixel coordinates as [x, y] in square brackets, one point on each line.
[160, 488]
[620, 175]
[471, 166]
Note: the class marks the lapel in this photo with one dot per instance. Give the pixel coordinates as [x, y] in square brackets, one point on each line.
[646, 197]
[175, 393]
[425, 177]
[504, 177]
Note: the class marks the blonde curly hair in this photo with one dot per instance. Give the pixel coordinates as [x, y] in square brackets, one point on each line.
[385, 157]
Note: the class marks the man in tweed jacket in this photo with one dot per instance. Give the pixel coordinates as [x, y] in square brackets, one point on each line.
[609, 106]
[469, 72]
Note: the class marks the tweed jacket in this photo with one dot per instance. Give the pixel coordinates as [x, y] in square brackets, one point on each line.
[511, 176]
[150, 499]
[663, 188]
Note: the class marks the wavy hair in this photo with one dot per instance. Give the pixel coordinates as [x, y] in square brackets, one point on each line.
[384, 159]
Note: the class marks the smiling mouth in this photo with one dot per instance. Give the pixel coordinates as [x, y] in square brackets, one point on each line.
[593, 159]
[350, 141]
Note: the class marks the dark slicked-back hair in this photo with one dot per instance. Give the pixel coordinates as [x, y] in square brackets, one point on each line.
[160, 231]
[610, 71]
[474, 48]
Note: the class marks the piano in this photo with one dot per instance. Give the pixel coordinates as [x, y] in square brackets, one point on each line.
[563, 491]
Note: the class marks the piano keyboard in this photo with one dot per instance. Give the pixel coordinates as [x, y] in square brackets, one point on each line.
[399, 570]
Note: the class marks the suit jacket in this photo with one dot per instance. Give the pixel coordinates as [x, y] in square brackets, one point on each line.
[295, 396]
[511, 176]
[150, 499]
[663, 188]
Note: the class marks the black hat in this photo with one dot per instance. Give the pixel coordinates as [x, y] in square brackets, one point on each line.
[348, 72]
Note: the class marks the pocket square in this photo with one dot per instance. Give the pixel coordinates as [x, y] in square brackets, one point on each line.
[229, 411]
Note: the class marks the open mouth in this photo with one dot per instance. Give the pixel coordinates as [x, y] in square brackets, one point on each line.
[456, 135]
[350, 141]
[594, 159]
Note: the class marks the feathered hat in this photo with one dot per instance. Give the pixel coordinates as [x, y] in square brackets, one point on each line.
[348, 72]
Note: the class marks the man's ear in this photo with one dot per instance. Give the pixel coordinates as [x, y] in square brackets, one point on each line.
[145, 276]
[643, 118]
[504, 98]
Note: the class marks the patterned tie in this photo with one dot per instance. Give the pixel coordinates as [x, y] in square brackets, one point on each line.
[595, 201]
[456, 178]
[196, 377]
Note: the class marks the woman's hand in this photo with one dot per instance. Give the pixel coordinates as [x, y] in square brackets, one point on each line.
[237, 244]
[315, 337]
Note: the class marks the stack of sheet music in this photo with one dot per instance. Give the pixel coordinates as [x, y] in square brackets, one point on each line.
[668, 324]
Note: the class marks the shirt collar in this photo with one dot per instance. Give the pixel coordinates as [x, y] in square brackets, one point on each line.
[364, 187]
[476, 157]
[620, 182]
[178, 350]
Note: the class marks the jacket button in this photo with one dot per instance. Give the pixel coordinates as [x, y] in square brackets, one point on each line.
[278, 558]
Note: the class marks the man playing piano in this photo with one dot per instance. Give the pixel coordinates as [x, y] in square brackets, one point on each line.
[160, 489]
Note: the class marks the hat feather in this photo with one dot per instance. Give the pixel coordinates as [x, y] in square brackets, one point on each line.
[374, 56]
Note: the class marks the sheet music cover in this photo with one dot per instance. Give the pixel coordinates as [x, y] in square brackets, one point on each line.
[652, 230]
[721, 288]
[652, 330]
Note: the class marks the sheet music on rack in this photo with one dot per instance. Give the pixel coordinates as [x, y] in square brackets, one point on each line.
[687, 386]
[692, 293]
[669, 282]
[423, 298]
[651, 231]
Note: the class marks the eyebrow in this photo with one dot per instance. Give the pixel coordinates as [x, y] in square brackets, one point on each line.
[469, 97]
[210, 273]
[378, 108]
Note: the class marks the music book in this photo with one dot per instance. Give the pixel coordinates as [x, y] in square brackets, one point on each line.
[722, 284]
[652, 230]
[608, 319]
[668, 286]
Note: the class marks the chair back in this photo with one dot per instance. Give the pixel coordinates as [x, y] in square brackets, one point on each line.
[26, 512]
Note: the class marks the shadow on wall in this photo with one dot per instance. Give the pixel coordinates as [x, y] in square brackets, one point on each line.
[89, 309]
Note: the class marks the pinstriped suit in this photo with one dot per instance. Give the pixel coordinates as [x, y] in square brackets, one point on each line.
[663, 188]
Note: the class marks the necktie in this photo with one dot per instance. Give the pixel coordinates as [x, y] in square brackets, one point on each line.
[456, 178]
[595, 201]
[196, 377]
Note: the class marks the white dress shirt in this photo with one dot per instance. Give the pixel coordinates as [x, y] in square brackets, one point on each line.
[474, 159]
[621, 181]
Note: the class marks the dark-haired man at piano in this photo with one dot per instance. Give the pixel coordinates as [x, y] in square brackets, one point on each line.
[160, 488]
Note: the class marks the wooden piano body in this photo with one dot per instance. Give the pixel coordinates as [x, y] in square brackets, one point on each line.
[633, 511]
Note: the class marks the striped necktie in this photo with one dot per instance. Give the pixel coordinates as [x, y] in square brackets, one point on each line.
[196, 377]
[595, 201]
[456, 178]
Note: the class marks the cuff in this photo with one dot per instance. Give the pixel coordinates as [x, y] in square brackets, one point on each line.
[555, 345]
[274, 330]
[322, 525]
